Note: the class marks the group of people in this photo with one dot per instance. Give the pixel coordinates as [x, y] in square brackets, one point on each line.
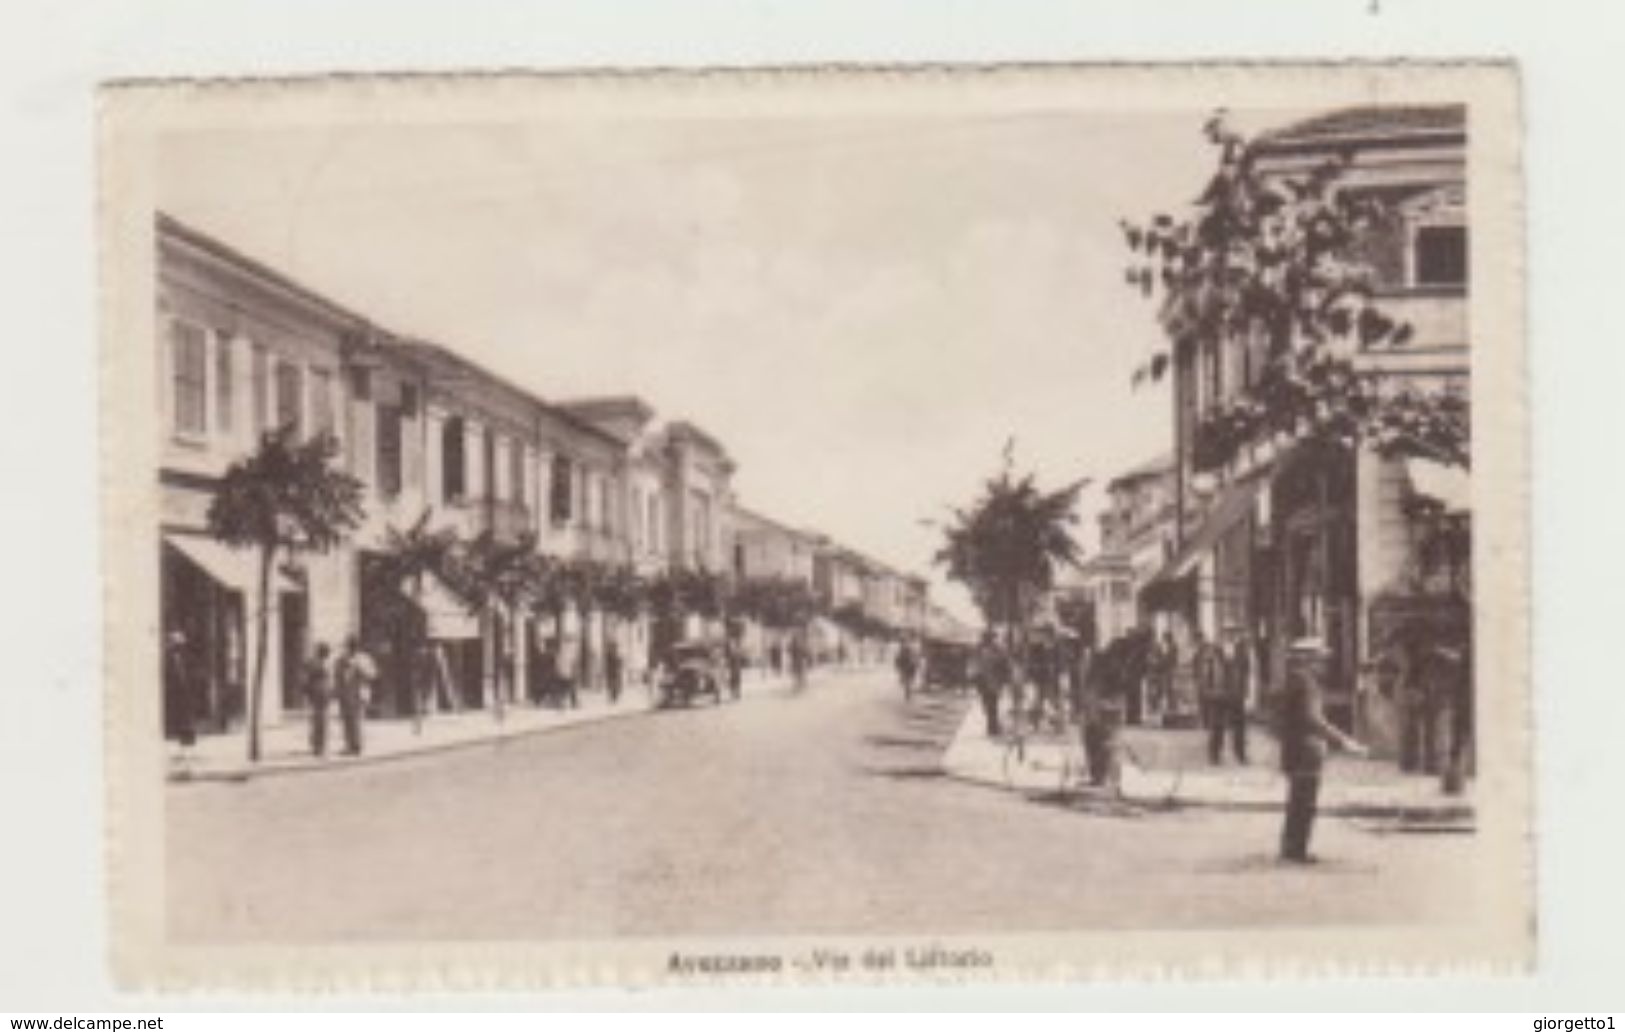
[1070, 682]
[348, 679]
[557, 671]
[794, 655]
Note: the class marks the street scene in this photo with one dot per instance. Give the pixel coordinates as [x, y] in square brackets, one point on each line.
[690, 526]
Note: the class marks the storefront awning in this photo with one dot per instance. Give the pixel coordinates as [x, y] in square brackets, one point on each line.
[1450, 486]
[237, 569]
[447, 614]
[1235, 501]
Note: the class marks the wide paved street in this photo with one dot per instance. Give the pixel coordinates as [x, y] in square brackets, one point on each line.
[815, 813]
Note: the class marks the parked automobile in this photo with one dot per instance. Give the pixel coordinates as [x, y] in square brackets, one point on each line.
[692, 670]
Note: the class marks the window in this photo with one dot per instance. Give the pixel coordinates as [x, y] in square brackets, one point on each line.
[258, 387]
[606, 509]
[191, 371]
[361, 383]
[516, 471]
[222, 381]
[288, 408]
[634, 526]
[655, 536]
[389, 450]
[321, 401]
[453, 472]
[1441, 256]
[409, 401]
[560, 490]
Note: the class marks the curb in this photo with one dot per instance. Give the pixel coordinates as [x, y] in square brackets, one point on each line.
[1431, 816]
[311, 766]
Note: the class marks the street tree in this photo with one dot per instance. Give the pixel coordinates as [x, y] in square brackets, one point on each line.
[495, 576]
[1008, 544]
[287, 496]
[410, 556]
[1271, 265]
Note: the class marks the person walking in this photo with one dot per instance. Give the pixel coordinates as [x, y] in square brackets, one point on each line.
[907, 665]
[735, 660]
[1302, 728]
[317, 682]
[180, 696]
[1229, 707]
[357, 675]
[614, 671]
[1045, 667]
[1207, 669]
[798, 662]
[1164, 658]
[992, 672]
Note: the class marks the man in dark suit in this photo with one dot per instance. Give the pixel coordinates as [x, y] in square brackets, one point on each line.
[1228, 707]
[1302, 728]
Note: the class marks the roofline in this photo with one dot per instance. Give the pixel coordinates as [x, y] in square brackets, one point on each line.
[169, 226]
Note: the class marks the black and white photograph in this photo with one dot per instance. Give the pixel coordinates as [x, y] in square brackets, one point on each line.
[871, 525]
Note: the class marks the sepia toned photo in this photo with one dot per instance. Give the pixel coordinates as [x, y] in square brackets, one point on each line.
[801, 526]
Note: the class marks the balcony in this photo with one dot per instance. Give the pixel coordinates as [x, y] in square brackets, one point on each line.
[504, 519]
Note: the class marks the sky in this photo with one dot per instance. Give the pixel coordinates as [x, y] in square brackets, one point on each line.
[862, 309]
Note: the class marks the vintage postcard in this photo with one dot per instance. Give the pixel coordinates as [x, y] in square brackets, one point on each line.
[803, 526]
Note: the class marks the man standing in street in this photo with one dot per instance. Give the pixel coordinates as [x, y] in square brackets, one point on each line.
[356, 676]
[613, 671]
[318, 685]
[1164, 658]
[1228, 710]
[180, 695]
[992, 669]
[1302, 727]
[1207, 664]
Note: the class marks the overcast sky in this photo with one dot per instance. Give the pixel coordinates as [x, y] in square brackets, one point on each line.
[862, 310]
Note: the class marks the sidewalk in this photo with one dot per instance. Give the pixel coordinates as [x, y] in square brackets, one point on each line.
[285, 747]
[1176, 771]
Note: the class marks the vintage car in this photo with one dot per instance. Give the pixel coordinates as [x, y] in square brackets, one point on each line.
[691, 670]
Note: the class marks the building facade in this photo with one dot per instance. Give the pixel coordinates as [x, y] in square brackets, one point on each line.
[1309, 540]
[441, 444]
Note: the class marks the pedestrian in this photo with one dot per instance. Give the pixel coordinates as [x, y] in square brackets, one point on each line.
[1163, 661]
[1302, 728]
[317, 681]
[992, 671]
[1207, 669]
[735, 659]
[357, 675]
[1229, 706]
[798, 662]
[564, 677]
[907, 664]
[613, 671]
[180, 696]
[1046, 673]
[1095, 715]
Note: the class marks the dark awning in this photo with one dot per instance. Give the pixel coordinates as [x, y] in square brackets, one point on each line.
[1235, 501]
[236, 569]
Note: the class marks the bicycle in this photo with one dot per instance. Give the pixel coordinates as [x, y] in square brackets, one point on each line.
[1159, 782]
[1034, 758]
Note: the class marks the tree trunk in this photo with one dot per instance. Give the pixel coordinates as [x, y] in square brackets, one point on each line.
[495, 672]
[413, 667]
[256, 684]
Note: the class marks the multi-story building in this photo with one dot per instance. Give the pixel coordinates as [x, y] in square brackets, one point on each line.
[242, 351]
[699, 486]
[439, 441]
[765, 548]
[1136, 531]
[1306, 540]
